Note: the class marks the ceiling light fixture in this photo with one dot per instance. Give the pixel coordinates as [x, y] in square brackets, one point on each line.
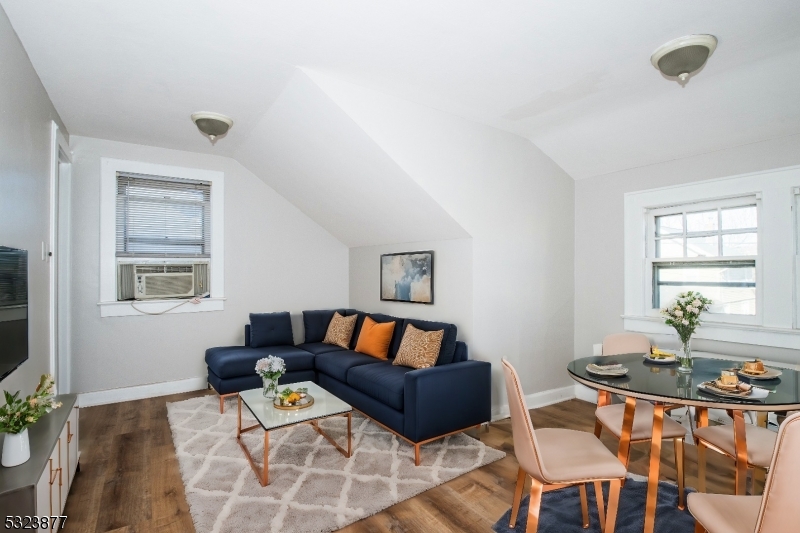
[682, 56]
[212, 124]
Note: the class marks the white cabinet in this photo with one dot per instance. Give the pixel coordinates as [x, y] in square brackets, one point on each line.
[39, 486]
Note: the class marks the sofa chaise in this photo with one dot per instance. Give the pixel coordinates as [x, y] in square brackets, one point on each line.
[418, 405]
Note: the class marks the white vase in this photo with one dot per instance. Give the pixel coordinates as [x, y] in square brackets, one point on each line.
[16, 448]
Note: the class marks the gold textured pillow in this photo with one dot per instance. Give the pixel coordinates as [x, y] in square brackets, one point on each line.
[419, 349]
[340, 330]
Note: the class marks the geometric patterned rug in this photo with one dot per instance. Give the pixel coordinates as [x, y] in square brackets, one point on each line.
[313, 487]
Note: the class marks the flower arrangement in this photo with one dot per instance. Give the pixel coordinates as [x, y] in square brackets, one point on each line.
[17, 414]
[683, 314]
[270, 369]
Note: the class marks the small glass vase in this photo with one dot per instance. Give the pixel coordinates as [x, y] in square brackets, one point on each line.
[270, 387]
[685, 357]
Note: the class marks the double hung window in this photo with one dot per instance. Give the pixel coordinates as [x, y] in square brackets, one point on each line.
[160, 217]
[708, 247]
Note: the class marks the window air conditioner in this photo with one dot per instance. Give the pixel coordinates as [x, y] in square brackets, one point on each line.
[158, 281]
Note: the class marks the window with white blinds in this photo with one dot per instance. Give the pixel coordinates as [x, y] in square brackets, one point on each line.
[162, 217]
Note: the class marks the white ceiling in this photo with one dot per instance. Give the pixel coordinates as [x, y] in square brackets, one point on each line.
[574, 78]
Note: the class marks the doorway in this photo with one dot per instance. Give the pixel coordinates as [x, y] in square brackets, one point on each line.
[58, 257]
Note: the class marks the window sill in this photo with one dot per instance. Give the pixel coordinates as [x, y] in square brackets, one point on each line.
[109, 309]
[719, 331]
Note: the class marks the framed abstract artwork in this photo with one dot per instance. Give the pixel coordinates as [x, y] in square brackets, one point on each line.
[407, 277]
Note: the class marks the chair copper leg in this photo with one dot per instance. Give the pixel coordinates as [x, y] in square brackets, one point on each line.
[701, 467]
[759, 479]
[679, 466]
[584, 505]
[598, 495]
[740, 439]
[598, 428]
[534, 504]
[517, 498]
[624, 451]
[698, 528]
[613, 504]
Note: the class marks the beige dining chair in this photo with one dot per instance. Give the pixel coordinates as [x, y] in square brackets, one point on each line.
[556, 458]
[612, 416]
[776, 511]
[759, 442]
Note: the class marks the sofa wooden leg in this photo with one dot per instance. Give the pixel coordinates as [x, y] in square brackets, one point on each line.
[416, 455]
[221, 404]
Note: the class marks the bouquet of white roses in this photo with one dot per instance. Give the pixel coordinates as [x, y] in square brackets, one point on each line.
[17, 414]
[683, 313]
[270, 367]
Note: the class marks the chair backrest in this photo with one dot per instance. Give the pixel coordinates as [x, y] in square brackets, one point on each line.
[525, 446]
[779, 506]
[619, 343]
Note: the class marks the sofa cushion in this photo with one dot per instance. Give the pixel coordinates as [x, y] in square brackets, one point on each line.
[319, 347]
[374, 338]
[448, 341]
[382, 381]
[340, 330]
[336, 364]
[270, 329]
[315, 323]
[397, 334]
[419, 349]
[235, 361]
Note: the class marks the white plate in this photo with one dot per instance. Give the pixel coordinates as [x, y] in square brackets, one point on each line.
[757, 394]
[771, 373]
[669, 361]
[619, 372]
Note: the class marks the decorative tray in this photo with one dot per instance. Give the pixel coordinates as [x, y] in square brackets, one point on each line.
[745, 392]
[287, 403]
[769, 373]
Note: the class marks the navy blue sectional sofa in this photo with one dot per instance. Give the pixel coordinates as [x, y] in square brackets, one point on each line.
[417, 405]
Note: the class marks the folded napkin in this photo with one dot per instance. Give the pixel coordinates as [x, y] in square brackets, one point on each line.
[607, 367]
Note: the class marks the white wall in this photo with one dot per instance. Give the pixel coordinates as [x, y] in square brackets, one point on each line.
[517, 205]
[276, 259]
[599, 238]
[26, 113]
[452, 278]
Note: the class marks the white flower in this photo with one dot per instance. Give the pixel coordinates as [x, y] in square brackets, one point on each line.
[695, 310]
[678, 313]
[270, 365]
[697, 303]
[685, 322]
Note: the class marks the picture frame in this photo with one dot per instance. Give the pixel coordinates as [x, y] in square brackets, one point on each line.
[407, 277]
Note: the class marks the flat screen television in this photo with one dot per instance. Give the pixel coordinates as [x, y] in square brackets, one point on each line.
[13, 309]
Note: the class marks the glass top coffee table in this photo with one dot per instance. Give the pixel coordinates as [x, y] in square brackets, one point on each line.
[269, 417]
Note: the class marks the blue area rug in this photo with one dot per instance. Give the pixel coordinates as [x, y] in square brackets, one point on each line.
[561, 511]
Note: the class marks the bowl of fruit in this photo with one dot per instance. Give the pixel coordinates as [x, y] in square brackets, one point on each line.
[293, 399]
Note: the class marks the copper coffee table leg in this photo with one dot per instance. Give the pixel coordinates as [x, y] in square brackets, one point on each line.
[740, 439]
[655, 463]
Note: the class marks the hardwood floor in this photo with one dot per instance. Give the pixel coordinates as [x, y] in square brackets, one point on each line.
[129, 479]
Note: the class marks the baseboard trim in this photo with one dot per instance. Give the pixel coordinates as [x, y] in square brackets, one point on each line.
[582, 392]
[536, 400]
[140, 392]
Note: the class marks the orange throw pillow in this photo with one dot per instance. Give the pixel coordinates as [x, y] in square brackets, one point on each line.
[375, 338]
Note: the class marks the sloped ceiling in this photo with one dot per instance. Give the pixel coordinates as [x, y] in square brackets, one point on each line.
[311, 152]
[573, 78]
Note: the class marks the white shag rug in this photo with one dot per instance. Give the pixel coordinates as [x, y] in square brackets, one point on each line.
[312, 487]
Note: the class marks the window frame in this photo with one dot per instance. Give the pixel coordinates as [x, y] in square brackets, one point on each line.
[108, 304]
[694, 207]
[780, 276]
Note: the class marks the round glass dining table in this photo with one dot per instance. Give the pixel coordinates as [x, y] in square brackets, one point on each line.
[665, 387]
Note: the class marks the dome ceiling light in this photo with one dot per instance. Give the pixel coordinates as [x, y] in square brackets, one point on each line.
[212, 124]
[680, 57]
